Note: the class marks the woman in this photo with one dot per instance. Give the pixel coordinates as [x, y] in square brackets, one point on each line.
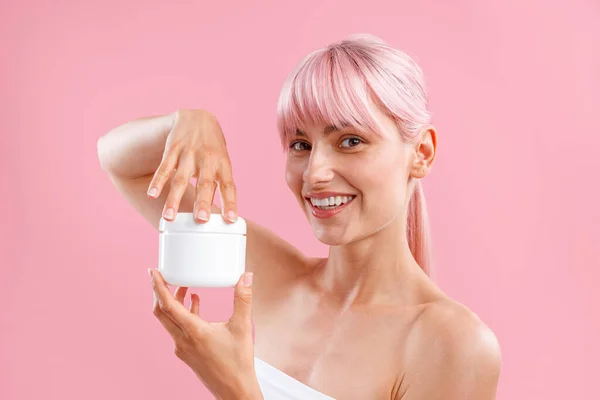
[367, 322]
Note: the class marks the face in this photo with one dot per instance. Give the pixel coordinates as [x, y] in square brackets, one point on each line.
[366, 176]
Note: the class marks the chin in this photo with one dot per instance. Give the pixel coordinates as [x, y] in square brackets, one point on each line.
[330, 238]
[333, 242]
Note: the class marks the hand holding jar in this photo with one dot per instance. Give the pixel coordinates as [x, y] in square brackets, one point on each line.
[221, 354]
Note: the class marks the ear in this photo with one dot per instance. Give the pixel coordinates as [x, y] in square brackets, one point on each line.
[424, 153]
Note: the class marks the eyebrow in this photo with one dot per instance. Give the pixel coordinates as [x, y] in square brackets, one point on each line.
[328, 129]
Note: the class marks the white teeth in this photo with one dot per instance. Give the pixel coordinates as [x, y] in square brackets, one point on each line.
[331, 201]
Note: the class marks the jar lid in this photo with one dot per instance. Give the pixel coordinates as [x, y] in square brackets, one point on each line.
[185, 222]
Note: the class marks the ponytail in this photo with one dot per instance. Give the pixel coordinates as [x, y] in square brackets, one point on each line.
[418, 233]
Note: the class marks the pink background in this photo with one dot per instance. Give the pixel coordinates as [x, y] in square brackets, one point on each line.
[513, 203]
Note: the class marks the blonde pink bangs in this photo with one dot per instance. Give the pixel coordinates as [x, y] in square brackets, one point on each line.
[337, 85]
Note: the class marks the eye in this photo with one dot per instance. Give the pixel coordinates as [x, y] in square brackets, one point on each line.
[294, 146]
[354, 140]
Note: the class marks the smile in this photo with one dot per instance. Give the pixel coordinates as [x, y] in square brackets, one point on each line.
[330, 206]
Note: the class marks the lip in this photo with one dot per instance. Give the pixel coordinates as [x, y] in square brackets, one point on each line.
[328, 213]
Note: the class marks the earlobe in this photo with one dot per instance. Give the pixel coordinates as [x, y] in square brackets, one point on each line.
[418, 167]
[419, 171]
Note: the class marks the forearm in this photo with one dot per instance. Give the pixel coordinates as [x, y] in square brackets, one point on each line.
[247, 393]
[135, 148]
[230, 388]
[253, 392]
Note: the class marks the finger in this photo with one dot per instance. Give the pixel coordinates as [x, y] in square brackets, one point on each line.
[179, 184]
[228, 190]
[163, 173]
[171, 327]
[171, 307]
[205, 189]
[180, 294]
[195, 306]
[242, 304]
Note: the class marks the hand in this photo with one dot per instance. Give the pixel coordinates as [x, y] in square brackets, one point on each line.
[220, 354]
[196, 147]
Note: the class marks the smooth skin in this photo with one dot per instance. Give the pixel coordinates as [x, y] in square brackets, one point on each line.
[365, 322]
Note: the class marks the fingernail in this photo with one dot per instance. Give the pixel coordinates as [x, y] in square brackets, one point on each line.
[150, 272]
[202, 215]
[248, 279]
[231, 216]
[152, 192]
[169, 213]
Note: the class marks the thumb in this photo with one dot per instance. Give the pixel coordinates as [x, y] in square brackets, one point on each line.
[242, 302]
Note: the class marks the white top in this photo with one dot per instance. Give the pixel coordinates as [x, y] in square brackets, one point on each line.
[277, 385]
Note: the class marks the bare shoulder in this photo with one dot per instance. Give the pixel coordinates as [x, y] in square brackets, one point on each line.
[455, 327]
[456, 355]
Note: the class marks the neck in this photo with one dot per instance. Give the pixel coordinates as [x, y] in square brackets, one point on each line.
[378, 269]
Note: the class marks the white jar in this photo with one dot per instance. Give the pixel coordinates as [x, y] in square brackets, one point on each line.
[194, 254]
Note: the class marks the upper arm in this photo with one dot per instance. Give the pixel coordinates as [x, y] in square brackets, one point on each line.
[264, 249]
[461, 360]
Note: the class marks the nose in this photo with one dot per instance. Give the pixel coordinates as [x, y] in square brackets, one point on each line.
[318, 171]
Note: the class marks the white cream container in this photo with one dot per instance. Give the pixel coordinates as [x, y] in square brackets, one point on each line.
[194, 254]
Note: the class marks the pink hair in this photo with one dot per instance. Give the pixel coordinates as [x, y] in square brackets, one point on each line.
[335, 85]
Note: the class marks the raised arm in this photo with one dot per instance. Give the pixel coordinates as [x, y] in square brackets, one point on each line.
[165, 152]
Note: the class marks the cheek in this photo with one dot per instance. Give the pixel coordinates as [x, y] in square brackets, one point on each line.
[293, 176]
[384, 179]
